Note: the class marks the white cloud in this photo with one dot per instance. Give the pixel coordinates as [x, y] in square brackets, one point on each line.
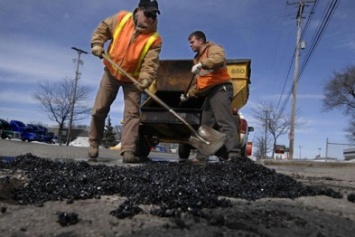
[12, 96]
[34, 59]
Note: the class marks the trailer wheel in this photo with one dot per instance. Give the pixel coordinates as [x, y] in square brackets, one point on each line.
[243, 151]
[222, 153]
[143, 147]
[184, 151]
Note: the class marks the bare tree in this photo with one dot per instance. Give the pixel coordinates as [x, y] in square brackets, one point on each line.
[118, 131]
[261, 114]
[339, 93]
[262, 147]
[351, 130]
[56, 101]
[275, 123]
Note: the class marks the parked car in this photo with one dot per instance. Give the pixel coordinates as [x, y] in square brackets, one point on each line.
[27, 133]
[246, 148]
[6, 131]
[160, 148]
[17, 126]
[42, 132]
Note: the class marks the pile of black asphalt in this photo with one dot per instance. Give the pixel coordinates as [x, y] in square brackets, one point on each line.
[174, 188]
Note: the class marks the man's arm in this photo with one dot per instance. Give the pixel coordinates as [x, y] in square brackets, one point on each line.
[216, 58]
[104, 31]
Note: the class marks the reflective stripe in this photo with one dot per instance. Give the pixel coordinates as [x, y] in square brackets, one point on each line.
[122, 23]
[145, 51]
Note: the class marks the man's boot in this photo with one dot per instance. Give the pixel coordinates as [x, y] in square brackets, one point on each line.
[233, 156]
[129, 157]
[200, 158]
[93, 152]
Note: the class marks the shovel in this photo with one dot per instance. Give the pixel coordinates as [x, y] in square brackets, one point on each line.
[205, 139]
[187, 89]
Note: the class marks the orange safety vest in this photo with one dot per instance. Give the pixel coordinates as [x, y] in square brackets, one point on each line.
[129, 55]
[217, 76]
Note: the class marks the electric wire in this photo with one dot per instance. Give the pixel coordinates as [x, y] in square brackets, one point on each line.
[278, 44]
[292, 61]
[309, 19]
[327, 15]
[288, 74]
[325, 22]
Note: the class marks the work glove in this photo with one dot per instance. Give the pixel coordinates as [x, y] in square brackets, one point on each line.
[184, 98]
[143, 84]
[193, 92]
[97, 50]
[196, 68]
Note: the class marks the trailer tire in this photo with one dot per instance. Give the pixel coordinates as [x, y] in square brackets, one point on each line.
[143, 147]
[222, 153]
[184, 151]
[243, 151]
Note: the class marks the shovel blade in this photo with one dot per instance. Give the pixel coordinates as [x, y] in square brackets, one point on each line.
[212, 140]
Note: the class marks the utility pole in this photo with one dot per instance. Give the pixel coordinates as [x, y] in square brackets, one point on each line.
[301, 6]
[266, 128]
[77, 76]
[300, 152]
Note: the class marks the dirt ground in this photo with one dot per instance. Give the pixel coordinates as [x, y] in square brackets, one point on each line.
[305, 216]
[316, 216]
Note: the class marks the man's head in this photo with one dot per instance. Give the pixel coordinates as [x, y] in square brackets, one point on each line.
[196, 39]
[150, 6]
[146, 14]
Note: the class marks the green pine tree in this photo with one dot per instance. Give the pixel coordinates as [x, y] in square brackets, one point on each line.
[109, 139]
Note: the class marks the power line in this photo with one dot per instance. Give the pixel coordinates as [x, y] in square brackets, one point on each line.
[326, 18]
[298, 71]
[315, 41]
[292, 62]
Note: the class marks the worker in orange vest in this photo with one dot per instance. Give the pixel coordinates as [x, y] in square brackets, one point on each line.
[213, 81]
[135, 46]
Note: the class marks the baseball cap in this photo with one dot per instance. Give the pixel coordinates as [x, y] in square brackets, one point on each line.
[149, 6]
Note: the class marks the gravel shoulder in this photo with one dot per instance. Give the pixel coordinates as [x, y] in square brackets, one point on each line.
[304, 216]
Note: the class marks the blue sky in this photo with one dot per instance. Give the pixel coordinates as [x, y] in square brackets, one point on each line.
[37, 36]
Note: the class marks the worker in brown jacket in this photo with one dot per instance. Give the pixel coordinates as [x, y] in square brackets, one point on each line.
[213, 81]
[135, 46]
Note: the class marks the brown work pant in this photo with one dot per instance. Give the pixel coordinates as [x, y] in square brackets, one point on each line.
[106, 95]
[217, 113]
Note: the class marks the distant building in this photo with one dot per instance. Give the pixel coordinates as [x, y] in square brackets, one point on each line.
[349, 153]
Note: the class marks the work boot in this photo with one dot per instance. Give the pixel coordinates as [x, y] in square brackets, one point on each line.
[234, 156]
[200, 158]
[129, 157]
[93, 153]
[182, 160]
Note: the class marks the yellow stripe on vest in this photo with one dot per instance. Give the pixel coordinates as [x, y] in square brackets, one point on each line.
[145, 51]
[122, 23]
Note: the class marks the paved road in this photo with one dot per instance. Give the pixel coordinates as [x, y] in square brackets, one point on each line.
[12, 148]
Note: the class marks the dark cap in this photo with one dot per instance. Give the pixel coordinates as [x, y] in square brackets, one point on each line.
[149, 6]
